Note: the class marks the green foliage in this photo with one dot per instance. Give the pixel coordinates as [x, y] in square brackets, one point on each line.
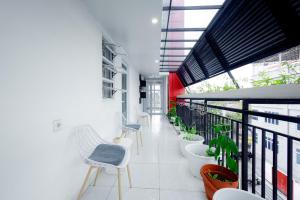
[182, 126]
[224, 145]
[172, 110]
[190, 132]
[287, 75]
[178, 121]
[227, 86]
[234, 115]
[213, 176]
[209, 152]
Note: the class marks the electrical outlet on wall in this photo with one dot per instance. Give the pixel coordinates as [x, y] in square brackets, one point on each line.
[57, 125]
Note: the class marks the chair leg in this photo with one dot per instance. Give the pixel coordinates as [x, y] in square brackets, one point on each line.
[137, 142]
[84, 182]
[129, 176]
[97, 174]
[119, 184]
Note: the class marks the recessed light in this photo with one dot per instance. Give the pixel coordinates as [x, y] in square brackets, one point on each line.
[156, 61]
[154, 20]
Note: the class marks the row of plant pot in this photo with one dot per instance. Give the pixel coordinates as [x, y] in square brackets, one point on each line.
[202, 159]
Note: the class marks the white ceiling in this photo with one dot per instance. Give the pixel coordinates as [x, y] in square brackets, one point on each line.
[128, 22]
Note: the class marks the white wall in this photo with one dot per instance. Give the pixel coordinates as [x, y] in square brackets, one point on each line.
[133, 95]
[50, 68]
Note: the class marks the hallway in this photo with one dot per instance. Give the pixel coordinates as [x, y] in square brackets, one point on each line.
[159, 172]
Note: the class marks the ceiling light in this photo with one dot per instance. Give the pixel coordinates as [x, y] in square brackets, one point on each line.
[156, 61]
[154, 20]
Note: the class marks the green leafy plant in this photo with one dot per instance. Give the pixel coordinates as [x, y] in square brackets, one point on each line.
[288, 75]
[209, 152]
[213, 176]
[225, 147]
[172, 110]
[177, 121]
[182, 126]
[190, 132]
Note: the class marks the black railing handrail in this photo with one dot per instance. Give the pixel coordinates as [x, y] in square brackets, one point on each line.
[288, 118]
[254, 126]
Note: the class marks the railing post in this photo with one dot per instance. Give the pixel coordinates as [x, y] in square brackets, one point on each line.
[290, 169]
[245, 108]
[205, 122]
[191, 113]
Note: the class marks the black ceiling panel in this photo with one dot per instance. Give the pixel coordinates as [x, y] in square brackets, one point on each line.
[185, 75]
[242, 32]
[194, 68]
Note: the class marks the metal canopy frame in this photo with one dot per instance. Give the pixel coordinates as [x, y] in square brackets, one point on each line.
[175, 48]
[205, 7]
[181, 29]
[179, 43]
[179, 40]
[242, 32]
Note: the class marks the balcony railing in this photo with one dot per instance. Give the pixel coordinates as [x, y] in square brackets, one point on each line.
[202, 113]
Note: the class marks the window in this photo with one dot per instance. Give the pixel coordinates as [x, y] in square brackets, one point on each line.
[253, 116]
[108, 70]
[298, 156]
[271, 120]
[124, 91]
[269, 144]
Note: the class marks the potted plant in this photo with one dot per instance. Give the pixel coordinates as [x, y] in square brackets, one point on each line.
[172, 115]
[216, 177]
[177, 123]
[172, 111]
[189, 137]
[182, 127]
[198, 155]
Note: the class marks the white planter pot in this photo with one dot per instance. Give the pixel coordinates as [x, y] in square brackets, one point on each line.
[177, 128]
[196, 155]
[197, 139]
[181, 132]
[230, 194]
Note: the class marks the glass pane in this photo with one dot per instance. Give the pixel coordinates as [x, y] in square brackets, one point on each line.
[178, 44]
[171, 63]
[166, 2]
[163, 35]
[124, 81]
[157, 87]
[194, 2]
[164, 19]
[178, 59]
[190, 18]
[174, 52]
[191, 35]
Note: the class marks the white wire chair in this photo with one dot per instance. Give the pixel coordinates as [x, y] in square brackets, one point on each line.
[132, 128]
[87, 140]
[145, 118]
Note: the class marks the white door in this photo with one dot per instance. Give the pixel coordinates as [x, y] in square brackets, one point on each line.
[154, 104]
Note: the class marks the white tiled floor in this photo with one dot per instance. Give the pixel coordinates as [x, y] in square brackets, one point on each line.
[159, 172]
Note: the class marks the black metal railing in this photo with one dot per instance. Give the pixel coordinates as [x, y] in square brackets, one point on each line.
[198, 112]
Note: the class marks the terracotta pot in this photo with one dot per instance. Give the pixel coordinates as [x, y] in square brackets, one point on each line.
[212, 185]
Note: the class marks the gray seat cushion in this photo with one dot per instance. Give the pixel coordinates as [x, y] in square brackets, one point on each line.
[108, 153]
[134, 126]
